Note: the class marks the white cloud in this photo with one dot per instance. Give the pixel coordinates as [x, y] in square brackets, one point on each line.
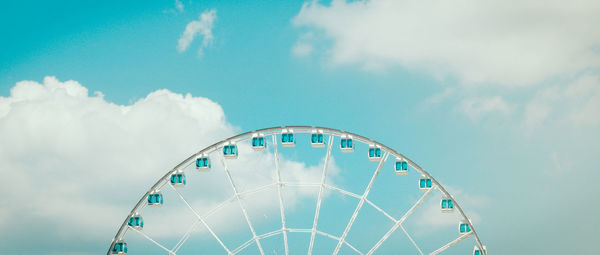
[302, 49]
[304, 45]
[202, 26]
[584, 93]
[179, 6]
[72, 156]
[438, 98]
[479, 42]
[577, 102]
[475, 108]
[539, 108]
[72, 161]
[509, 43]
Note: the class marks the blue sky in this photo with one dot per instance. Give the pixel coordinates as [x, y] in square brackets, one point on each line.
[500, 102]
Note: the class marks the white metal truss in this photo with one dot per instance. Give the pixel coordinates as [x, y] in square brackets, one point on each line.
[237, 195]
[339, 239]
[256, 190]
[320, 198]
[450, 244]
[397, 224]
[152, 240]
[411, 240]
[201, 220]
[164, 181]
[215, 209]
[381, 210]
[294, 230]
[249, 242]
[343, 191]
[279, 187]
[191, 228]
[400, 221]
[360, 203]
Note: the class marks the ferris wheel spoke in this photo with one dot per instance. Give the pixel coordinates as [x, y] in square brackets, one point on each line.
[299, 230]
[450, 244]
[411, 240]
[191, 228]
[343, 191]
[338, 239]
[201, 220]
[256, 190]
[152, 240]
[399, 222]
[381, 210]
[360, 203]
[218, 207]
[272, 233]
[242, 207]
[243, 246]
[321, 233]
[320, 198]
[279, 186]
[249, 242]
[351, 194]
[185, 237]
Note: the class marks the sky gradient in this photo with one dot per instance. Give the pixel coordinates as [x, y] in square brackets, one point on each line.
[499, 101]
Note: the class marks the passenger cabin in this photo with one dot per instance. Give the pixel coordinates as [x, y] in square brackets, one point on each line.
[178, 179]
[203, 163]
[287, 138]
[477, 250]
[155, 199]
[317, 140]
[120, 247]
[464, 227]
[447, 205]
[136, 221]
[346, 143]
[230, 150]
[424, 183]
[258, 142]
[401, 167]
[374, 153]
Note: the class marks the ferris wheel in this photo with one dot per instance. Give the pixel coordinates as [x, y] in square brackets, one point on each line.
[296, 190]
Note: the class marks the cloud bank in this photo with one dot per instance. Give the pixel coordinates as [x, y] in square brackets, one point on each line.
[72, 155]
[499, 42]
[73, 162]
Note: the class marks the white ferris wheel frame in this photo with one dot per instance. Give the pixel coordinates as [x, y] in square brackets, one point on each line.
[273, 131]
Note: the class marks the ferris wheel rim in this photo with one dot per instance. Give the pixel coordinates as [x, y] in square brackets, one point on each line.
[297, 129]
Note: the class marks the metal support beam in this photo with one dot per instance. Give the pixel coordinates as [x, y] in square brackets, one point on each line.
[450, 244]
[237, 195]
[152, 240]
[279, 187]
[411, 240]
[201, 220]
[191, 228]
[361, 202]
[320, 198]
[399, 222]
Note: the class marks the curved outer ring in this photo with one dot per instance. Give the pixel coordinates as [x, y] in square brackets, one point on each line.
[297, 129]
